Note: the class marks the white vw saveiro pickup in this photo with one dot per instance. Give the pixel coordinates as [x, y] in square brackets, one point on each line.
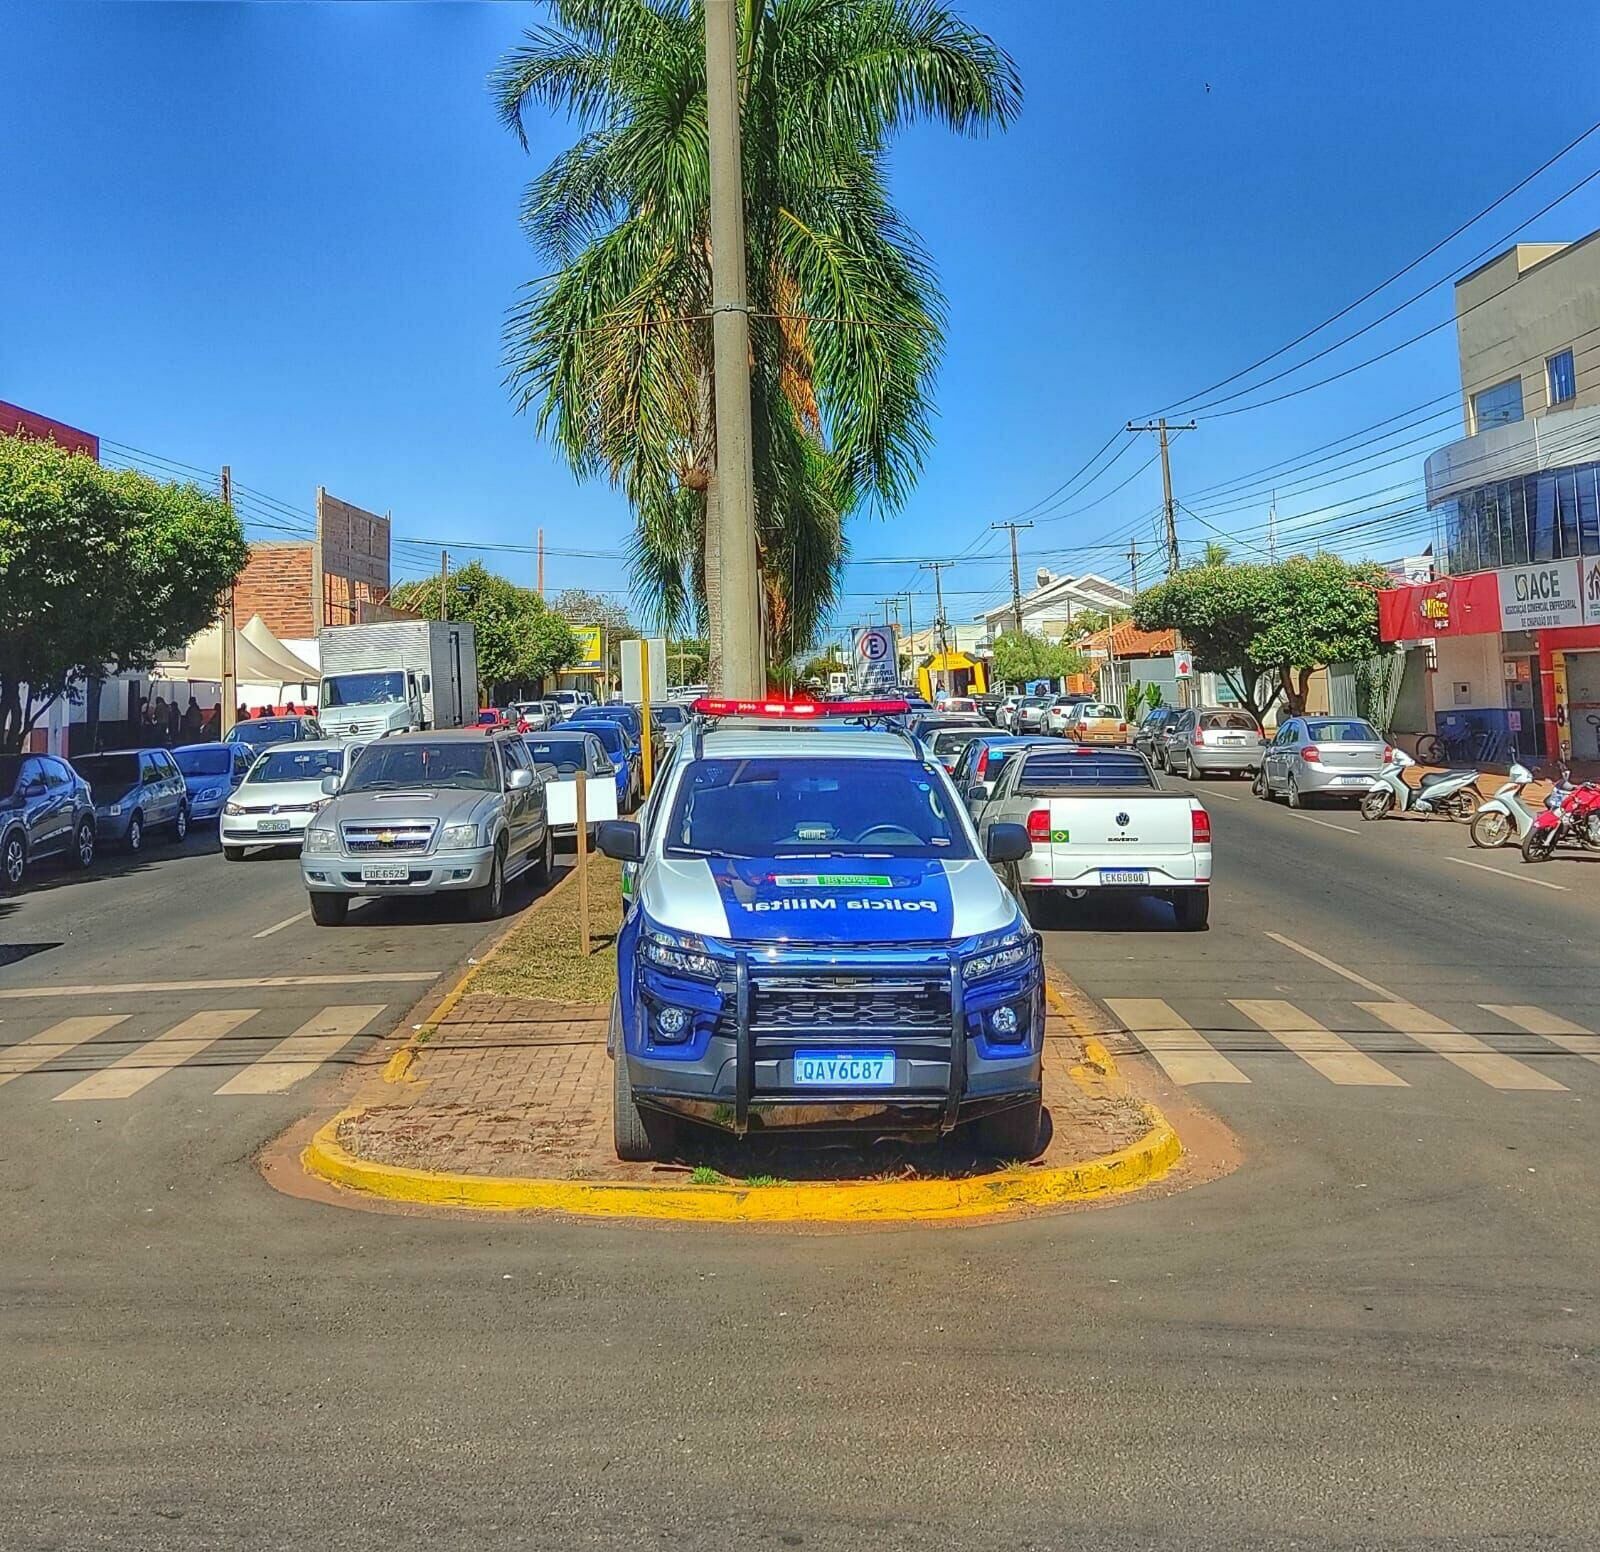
[1099, 821]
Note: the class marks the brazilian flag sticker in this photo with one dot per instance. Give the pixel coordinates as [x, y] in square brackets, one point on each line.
[1060, 837]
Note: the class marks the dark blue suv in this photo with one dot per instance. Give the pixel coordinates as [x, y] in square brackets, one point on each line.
[46, 810]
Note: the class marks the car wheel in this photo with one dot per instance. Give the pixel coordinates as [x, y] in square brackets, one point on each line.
[1011, 1134]
[1037, 906]
[1192, 907]
[14, 861]
[486, 903]
[547, 857]
[135, 840]
[1293, 792]
[180, 825]
[83, 843]
[233, 853]
[1259, 785]
[327, 910]
[639, 1136]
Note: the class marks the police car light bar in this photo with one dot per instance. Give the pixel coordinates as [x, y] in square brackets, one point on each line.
[718, 706]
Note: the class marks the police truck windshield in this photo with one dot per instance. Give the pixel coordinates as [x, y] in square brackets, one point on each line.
[813, 808]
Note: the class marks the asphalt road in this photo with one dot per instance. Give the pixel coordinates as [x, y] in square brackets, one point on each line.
[1378, 1331]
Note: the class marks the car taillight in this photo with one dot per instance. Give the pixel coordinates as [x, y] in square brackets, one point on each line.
[1080, 731]
[1388, 755]
[1199, 738]
[1201, 822]
[1311, 755]
[1122, 727]
[983, 764]
[1039, 825]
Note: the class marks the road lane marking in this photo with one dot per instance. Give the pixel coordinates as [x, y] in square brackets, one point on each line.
[44, 1047]
[1184, 1053]
[1516, 878]
[1338, 969]
[237, 984]
[1465, 1051]
[1227, 797]
[1560, 1031]
[1319, 1047]
[1327, 824]
[288, 921]
[141, 1067]
[300, 1054]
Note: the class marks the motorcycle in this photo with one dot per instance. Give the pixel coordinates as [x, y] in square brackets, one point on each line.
[1451, 793]
[1575, 819]
[1506, 817]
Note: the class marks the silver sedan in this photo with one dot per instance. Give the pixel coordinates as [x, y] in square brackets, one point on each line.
[1334, 757]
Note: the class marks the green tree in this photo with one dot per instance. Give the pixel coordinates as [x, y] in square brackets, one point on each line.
[613, 351]
[1265, 629]
[520, 639]
[1087, 621]
[1021, 656]
[578, 606]
[818, 668]
[100, 569]
[686, 659]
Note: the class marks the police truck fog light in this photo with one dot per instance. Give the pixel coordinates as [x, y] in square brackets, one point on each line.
[1003, 1021]
[672, 1023]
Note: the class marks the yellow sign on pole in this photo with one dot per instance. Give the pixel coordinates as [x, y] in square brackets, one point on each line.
[591, 649]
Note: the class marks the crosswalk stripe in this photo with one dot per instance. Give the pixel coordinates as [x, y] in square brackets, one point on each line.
[1319, 1047]
[300, 1054]
[1184, 1053]
[1465, 1051]
[1559, 1031]
[127, 1075]
[41, 1049]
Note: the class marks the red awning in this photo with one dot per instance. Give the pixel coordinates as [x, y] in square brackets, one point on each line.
[1453, 606]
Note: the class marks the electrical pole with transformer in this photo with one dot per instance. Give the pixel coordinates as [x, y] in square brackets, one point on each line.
[1169, 509]
[1016, 574]
[938, 567]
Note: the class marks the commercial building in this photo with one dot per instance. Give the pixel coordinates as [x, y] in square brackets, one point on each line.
[1512, 628]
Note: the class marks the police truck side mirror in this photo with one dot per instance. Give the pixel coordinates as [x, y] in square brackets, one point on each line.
[1007, 843]
[620, 840]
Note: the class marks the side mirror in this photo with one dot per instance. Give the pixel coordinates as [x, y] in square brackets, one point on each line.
[1007, 843]
[547, 772]
[34, 789]
[426, 682]
[979, 792]
[519, 780]
[330, 785]
[620, 839]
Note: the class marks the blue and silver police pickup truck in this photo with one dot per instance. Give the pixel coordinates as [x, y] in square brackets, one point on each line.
[815, 939]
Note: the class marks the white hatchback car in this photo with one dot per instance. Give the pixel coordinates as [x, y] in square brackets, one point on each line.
[276, 800]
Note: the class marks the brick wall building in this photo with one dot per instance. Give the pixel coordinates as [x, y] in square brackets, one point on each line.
[277, 585]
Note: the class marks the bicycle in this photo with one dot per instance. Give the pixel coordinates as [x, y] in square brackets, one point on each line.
[1480, 747]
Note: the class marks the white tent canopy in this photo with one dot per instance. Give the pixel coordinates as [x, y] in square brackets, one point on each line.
[259, 658]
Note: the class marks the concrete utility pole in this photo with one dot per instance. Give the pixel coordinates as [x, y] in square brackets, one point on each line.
[1272, 530]
[1133, 564]
[541, 563]
[937, 567]
[228, 710]
[444, 584]
[744, 673]
[1016, 575]
[1168, 506]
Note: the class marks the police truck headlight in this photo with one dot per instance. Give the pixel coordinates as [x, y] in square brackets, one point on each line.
[998, 951]
[319, 840]
[459, 837]
[681, 952]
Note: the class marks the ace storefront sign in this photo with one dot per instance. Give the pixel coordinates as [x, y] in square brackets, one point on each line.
[1543, 596]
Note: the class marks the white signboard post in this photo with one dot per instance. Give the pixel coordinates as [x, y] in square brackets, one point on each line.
[875, 665]
[1183, 665]
[632, 653]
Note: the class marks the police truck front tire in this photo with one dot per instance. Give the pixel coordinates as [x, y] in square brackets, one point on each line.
[1011, 1134]
[329, 910]
[639, 1136]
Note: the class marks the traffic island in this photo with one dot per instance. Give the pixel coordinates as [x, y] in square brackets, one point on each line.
[501, 1101]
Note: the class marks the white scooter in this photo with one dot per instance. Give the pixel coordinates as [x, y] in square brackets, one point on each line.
[1505, 817]
[1451, 793]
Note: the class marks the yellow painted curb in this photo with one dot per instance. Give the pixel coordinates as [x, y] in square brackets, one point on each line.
[826, 1202]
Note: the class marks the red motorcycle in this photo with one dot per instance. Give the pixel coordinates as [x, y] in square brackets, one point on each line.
[1576, 821]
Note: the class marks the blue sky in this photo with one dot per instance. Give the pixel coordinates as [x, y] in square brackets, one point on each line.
[283, 236]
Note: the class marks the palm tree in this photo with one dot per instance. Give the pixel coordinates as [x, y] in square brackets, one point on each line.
[612, 351]
[1215, 553]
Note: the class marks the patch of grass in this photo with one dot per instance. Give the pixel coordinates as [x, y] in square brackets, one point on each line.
[762, 1180]
[542, 957]
[705, 1175]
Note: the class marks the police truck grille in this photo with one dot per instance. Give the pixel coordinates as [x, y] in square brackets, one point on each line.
[796, 1005]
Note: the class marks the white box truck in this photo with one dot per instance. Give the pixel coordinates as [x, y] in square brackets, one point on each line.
[397, 675]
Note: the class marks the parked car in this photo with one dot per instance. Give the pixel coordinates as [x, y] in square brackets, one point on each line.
[1006, 712]
[1334, 757]
[989, 705]
[1149, 729]
[46, 810]
[1100, 823]
[667, 724]
[1097, 723]
[981, 762]
[1210, 741]
[494, 717]
[570, 750]
[263, 732]
[1163, 739]
[1029, 715]
[444, 812]
[945, 744]
[274, 803]
[613, 737]
[954, 703]
[529, 716]
[571, 700]
[1062, 710]
[211, 772]
[135, 791]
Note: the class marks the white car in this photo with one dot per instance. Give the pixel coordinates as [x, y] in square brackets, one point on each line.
[1063, 712]
[281, 792]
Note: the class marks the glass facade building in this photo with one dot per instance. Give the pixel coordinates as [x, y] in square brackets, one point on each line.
[1551, 515]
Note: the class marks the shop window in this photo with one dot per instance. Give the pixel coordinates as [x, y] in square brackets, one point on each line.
[1563, 381]
[1589, 508]
[1544, 517]
[1500, 405]
[1567, 495]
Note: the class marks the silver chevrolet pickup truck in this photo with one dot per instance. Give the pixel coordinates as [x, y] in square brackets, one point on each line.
[429, 813]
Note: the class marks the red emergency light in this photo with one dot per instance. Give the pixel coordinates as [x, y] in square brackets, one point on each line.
[719, 706]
